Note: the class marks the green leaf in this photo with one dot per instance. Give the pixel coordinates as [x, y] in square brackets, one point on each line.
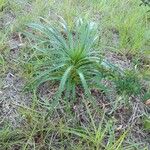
[84, 84]
[64, 79]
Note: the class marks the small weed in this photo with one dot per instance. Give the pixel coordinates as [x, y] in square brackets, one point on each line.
[74, 60]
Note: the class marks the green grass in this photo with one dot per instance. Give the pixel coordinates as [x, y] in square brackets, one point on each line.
[131, 25]
[38, 133]
[129, 83]
[66, 55]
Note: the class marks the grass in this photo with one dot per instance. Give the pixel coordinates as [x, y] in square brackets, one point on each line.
[129, 84]
[39, 133]
[128, 25]
[72, 62]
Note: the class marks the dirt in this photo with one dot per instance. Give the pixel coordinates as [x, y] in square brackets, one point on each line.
[118, 60]
[7, 19]
[11, 97]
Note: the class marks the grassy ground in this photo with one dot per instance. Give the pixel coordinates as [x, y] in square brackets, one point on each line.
[38, 119]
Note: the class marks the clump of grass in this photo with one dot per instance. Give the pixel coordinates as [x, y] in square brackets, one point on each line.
[72, 58]
[128, 83]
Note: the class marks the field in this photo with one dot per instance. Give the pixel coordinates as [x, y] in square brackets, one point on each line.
[74, 75]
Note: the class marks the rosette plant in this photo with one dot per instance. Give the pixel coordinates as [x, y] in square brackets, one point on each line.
[71, 55]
